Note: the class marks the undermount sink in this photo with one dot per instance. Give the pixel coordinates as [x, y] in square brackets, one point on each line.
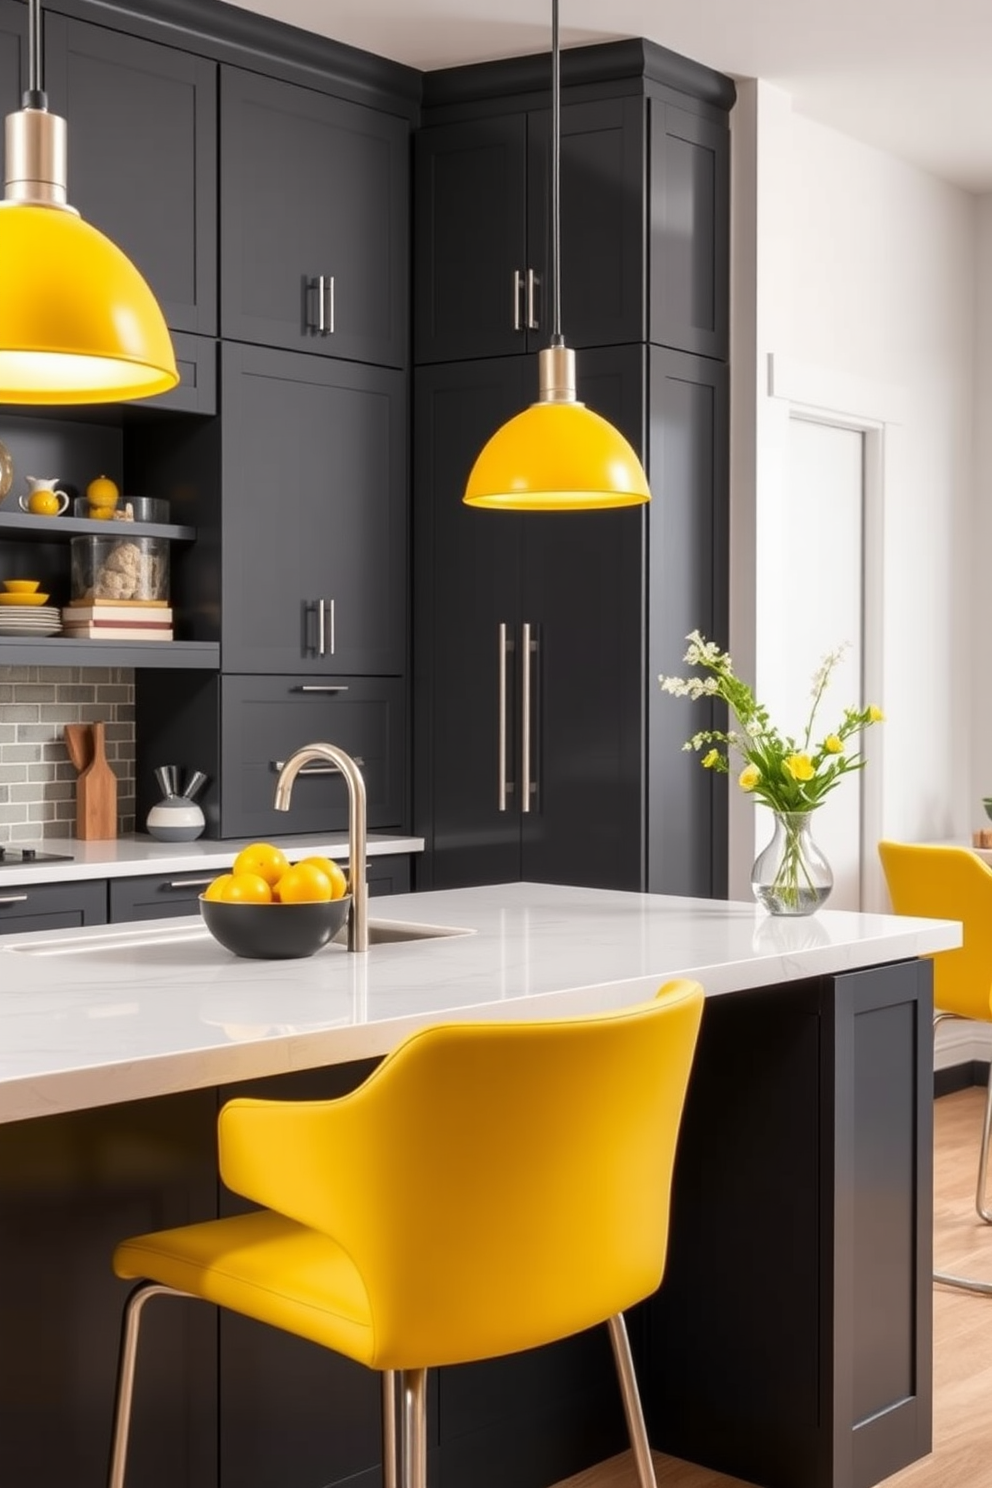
[136, 937]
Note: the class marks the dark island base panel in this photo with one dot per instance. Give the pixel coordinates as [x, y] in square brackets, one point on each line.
[791, 1342]
[803, 1174]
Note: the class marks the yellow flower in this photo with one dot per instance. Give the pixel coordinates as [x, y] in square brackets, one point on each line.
[749, 777]
[799, 766]
[833, 745]
[875, 715]
[709, 760]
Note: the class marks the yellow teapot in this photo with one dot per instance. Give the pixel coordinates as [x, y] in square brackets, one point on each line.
[43, 499]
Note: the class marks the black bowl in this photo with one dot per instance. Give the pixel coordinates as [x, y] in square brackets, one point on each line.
[274, 932]
[987, 803]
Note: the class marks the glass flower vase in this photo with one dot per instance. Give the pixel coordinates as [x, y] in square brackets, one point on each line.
[791, 876]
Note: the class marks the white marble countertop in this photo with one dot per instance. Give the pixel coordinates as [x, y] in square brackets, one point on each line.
[120, 1012]
[129, 857]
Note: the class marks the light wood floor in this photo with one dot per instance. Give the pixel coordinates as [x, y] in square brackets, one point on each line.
[962, 1420]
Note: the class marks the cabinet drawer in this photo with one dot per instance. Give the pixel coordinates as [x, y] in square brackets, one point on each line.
[264, 719]
[157, 896]
[58, 906]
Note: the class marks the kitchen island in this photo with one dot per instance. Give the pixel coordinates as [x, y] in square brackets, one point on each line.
[790, 1342]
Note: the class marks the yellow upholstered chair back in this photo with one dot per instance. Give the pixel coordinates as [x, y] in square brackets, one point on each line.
[948, 883]
[496, 1185]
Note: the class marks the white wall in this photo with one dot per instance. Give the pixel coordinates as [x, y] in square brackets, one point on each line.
[860, 273]
[865, 275]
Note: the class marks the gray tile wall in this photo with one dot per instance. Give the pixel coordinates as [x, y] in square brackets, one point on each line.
[37, 780]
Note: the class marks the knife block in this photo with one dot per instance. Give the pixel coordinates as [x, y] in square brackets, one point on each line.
[96, 794]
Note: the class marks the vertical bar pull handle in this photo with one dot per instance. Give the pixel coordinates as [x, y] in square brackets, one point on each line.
[533, 324]
[329, 331]
[321, 628]
[518, 287]
[525, 652]
[330, 607]
[321, 303]
[501, 786]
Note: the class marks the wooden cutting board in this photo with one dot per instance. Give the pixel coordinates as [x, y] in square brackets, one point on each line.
[96, 794]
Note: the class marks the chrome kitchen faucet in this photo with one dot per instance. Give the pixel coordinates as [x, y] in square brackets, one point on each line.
[330, 754]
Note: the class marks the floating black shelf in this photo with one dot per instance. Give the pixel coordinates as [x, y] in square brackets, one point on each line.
[21, 527]
[62, 651]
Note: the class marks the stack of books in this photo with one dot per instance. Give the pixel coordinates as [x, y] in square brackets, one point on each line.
[117, 620]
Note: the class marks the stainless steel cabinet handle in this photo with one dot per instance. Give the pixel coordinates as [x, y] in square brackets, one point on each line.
[13, 899]
[321, 306]
[329, 290]
[317, 769]
[321, 687]
[189, 883]
[502, 787]
[525, 650]
[330, 606]
[533, 324]
[518, 285]
[321, 631]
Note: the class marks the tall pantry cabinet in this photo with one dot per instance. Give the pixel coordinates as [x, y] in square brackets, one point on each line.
[543, 747]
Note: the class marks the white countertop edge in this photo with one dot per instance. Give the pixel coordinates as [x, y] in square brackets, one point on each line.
[133, 856]
[160, 1021]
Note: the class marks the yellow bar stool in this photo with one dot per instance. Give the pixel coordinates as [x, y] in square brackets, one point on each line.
[952, 883]
[489, 1188]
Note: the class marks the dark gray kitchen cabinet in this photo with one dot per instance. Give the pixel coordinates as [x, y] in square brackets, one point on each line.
[52, 906]
[157, 896]
[143, 156]
[240, 729]
[608, 597]
[314, 221]
[314, 515]
[481, 233]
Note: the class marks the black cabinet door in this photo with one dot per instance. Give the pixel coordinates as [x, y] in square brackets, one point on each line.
[688, 523]
[470, 238]
[582, 595]
[314, 221]
[265, 719]
[54, 906]
[142, 122]
[690, 231]
[13, 56]
[602, 222]
[314, 515]
[467, 616]
[157, 896]
[482, 214]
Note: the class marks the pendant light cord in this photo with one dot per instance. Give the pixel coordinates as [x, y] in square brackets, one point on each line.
[34, 97]
[556, 336]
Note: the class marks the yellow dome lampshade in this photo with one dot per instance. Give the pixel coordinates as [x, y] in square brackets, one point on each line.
[557, 455]
[78, 323]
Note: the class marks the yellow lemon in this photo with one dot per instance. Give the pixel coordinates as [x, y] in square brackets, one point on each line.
[262, 858]
[304, 883]
[334, 871]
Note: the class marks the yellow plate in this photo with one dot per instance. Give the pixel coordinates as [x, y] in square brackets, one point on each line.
[23, 599]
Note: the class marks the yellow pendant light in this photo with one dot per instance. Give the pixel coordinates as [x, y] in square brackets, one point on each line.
[557, 455]
[78, 323]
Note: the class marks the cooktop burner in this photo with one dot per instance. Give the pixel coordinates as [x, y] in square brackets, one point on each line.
[14, 856]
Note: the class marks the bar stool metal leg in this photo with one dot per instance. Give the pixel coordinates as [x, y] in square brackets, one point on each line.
[946, 1278]
[632, 1401]
[390, 1443]
[414, 1453]
[125, 1374]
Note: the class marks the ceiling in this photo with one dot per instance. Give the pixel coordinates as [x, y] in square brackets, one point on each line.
[909, 76]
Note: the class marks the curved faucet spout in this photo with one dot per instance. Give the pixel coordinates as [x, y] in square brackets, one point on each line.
[358, 916]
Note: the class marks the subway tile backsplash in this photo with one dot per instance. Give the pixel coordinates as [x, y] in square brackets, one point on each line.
[37, 781]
